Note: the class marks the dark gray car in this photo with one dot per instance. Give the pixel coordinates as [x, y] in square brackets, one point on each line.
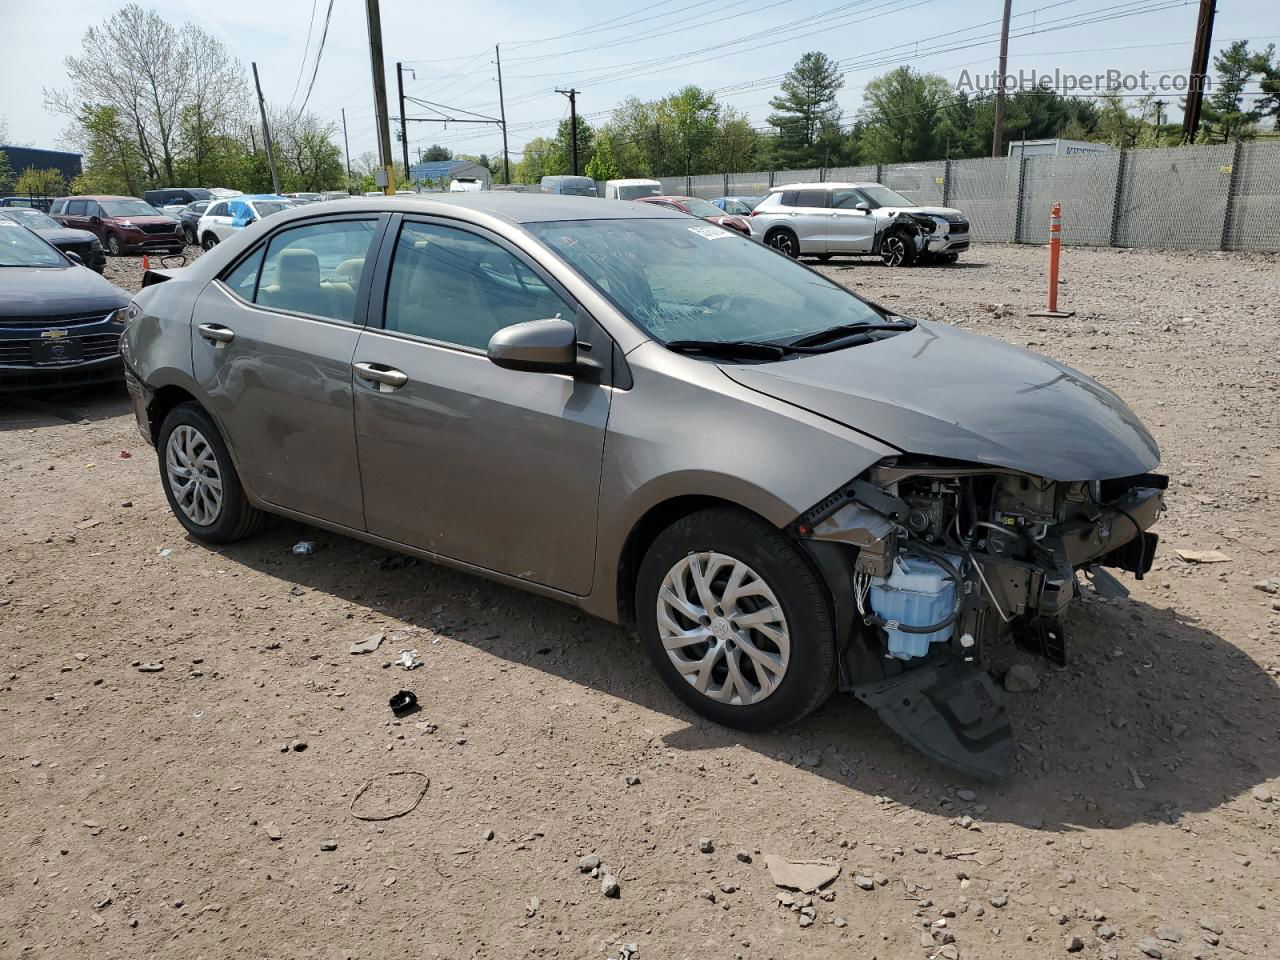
[785, 488]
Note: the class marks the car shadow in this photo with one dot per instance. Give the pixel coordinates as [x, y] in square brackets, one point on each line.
[49, 407]
[1158, 717]
[838, 262]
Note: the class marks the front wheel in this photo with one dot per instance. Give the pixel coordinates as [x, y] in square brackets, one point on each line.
[898, 249]
[209, 242]
[114, 246]
[736, 621]
[200, 481]
[189, 235]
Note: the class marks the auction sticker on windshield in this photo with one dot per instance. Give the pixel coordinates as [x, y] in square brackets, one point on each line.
[711, 233]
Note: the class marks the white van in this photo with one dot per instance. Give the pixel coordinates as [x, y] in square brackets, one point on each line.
[466, 185]
[630, 189]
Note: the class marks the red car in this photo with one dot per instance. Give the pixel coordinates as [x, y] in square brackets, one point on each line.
[123, 224]
[703, 209]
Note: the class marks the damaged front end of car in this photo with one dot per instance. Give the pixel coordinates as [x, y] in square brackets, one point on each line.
[932, 562]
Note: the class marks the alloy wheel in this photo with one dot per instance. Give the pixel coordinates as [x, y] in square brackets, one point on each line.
[193, 474]
[723, 628]
[784, 243]
[113, 244]
[210, 241]
[893, 251]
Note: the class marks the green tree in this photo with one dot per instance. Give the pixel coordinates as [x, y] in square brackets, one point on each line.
[1117, 124]
[637, 138]
[690, 121]
[1268, 105]
[113, 162]
[542, 158]
[6, 174]
[563, 146]
[806, 111]
[436, 153]
[42, 183]
[901, 116]
[1225, 114]
[603, 165]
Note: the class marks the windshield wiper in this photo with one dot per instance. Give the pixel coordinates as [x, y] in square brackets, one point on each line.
[740, 349]
[837, 333]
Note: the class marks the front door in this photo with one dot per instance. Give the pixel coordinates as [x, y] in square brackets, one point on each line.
[851, 230]
[272, 342]
[497, 468]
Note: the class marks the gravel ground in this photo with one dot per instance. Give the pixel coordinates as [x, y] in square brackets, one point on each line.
[165, 814]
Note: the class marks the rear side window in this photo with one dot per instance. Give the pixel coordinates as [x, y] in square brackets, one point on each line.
[313, 269]
[219, 210]
[788, 198]
[811, 198]
[57, 206]
[77, 208]
[461, 288]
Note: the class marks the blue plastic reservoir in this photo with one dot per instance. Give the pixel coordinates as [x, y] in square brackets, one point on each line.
[918, 592]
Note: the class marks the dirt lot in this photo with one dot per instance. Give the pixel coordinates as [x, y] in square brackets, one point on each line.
[161, 814]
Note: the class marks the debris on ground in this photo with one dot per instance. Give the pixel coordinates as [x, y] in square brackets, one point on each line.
[807, 876]
[609, 885]
[409, 659]
[303, 548]
[401, 792]
[403, 702]
[1021, 678]
[397, 561]
[369, 644]
[150, 667]
[1202, 556]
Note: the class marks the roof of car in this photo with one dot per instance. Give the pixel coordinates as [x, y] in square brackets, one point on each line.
[842, 184]
[99, 196]
[513, 207]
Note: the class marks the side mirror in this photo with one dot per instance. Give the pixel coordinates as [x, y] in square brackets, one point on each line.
[538, 346]
[863, 206]
[73, 257]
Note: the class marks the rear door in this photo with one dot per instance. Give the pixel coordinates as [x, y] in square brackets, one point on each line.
[807, 215]
[75, 215]
[272, 354]
[497, 468]
[850, 230]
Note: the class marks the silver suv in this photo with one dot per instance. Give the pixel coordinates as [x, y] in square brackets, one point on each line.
[829, 219]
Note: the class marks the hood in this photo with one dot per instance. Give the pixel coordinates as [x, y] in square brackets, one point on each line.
[62, 235]
[34, 292]
[945, 212]
[941, 392]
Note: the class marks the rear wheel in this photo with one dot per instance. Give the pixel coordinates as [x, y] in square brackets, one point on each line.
[736, 621]
[784, 241]
[897, 249]
[200, 480]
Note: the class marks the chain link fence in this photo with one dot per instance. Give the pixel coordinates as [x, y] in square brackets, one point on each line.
[1208, 197]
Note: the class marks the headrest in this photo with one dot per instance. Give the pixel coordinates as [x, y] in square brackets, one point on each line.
[299, 265]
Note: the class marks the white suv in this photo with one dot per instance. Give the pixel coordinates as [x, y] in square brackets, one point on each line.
[830, 219]
[224, 218]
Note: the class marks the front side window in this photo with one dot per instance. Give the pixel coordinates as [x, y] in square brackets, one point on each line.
[316, 269]
[879, 196]
[77, 208]
[461, 288]
[681, 281]
[847, 199]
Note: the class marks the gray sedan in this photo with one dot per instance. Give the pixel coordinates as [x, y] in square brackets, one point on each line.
[785, 488]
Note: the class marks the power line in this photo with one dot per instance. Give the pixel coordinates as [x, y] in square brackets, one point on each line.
[319, 53]
[303, 65]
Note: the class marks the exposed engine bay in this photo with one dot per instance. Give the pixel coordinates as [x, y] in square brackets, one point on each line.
[942, 561]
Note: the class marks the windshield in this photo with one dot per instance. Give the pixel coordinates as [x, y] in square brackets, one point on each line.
[128, 208]
[884, 197]
[266, 208]
[632, 190]
[682, 281]
[34, 219]
[578, 189]
[702, 208]
[19, 247]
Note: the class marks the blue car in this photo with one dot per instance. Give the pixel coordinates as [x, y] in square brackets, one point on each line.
[738, 206]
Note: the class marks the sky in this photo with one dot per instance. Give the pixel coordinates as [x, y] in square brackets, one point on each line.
[613, 49]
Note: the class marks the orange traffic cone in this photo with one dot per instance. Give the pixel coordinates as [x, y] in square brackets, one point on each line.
[146, 262]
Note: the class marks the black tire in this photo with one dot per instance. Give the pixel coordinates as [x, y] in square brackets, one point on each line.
[946, 259]
[114, 246]
[898, 248]
[237, 518]
[810, 674]
[784, 241]
[189, 234]
[208, 242]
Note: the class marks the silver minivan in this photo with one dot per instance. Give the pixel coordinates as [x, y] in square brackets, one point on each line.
[570, 186]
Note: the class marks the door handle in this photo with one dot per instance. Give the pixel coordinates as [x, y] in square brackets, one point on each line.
[216, 332]
[387, 378]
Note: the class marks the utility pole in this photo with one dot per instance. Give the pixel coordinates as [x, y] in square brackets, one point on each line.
[266, 132]
[346, 146]
[997, 137]
[374, 16]
[1159, 105]
[404, 125]
[502, 112]
[1199, 68]
[573, 123]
